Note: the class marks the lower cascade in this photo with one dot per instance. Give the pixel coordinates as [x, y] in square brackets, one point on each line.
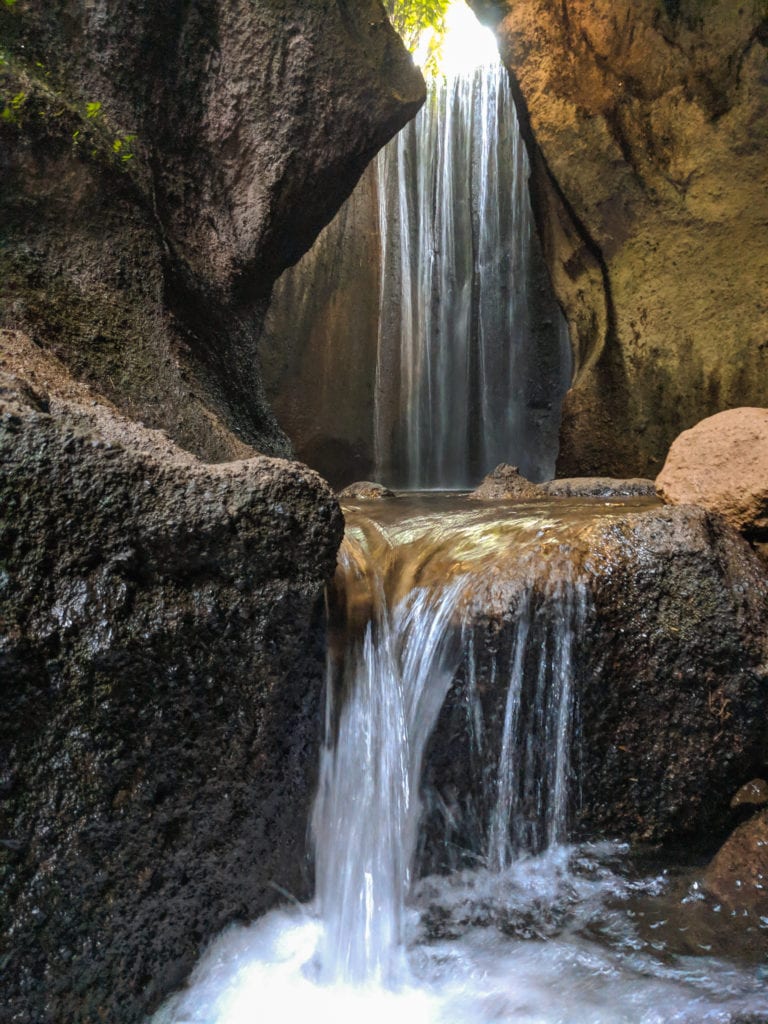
[449, 888]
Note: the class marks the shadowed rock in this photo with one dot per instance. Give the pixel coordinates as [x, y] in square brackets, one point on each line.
[161, 655]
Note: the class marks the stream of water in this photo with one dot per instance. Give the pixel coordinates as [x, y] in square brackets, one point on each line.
[525, 928]
[464, 342]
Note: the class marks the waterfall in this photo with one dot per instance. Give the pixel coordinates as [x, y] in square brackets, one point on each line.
[455, 330]
[462, 359]
[446, 887]
[396, 647]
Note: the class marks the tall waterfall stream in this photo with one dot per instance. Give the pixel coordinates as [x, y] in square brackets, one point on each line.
[467, 905]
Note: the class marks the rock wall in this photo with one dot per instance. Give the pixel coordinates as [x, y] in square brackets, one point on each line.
[162, 664]
[162, 164]
[161, 639]
[319, 346]
[648, 127]
[669, 674]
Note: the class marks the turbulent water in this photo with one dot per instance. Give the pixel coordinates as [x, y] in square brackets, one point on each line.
[456, 353]
[535, 931]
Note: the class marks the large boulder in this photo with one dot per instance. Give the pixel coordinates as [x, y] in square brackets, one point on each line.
[722, 465]
[660, 619]
[161, 165]
[161, 657]
[647, 125]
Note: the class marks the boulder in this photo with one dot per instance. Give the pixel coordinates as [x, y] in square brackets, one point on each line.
[669, 663]
[505, 482]
[367, 490]
[721, 464]
[161, 658]
[738, 874]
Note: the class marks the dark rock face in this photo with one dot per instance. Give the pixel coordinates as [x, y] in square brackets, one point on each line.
[670, 672]
[161, 654]
[648, 128]
[674, 683]
[161, 165]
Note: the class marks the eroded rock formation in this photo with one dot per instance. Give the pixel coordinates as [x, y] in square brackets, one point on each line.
[648, 127]
[161, 657]
[669, 673]
[161, 165]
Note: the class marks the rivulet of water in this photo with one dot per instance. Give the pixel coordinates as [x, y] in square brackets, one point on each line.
[535, 931]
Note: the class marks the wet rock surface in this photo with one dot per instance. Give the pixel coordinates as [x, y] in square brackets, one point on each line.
[366, 489]
[738, 875]
[506, 482]
[598, 487]
[648, 128]
[162, 652]
[751, 794]
[721, 464]
[670, 671]
[162, 164]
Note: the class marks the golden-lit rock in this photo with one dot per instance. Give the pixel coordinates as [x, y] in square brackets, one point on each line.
[721, 464]
[649, 175]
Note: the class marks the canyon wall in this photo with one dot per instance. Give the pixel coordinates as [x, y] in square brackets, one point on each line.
[162, 164]
[647, 122]
[161, 633]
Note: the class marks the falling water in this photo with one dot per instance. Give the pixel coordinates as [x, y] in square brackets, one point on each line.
[456, 340]
[396, 647]
[419, 341]
[439, 600]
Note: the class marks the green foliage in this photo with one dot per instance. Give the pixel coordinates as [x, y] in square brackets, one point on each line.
[118, 144]
[412, 17]
[11, 112]
[28, 100]
[9, 3]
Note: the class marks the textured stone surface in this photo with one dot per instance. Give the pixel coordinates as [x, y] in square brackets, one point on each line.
[722, 465]
[598, 487]
[161, 651]
[319, 345]
[738, 875]
[650, 121]
[670, 676]
[506, 482]
[751, 794]
[366, 489]
[161, 165]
